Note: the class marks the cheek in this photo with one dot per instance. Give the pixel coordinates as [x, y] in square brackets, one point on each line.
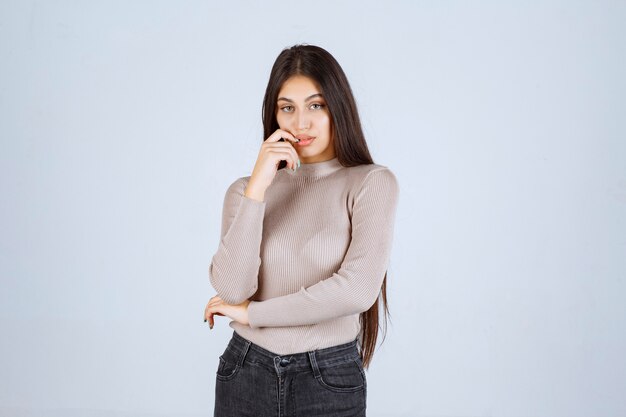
[329, 130]
[323, 121]
[282, 121]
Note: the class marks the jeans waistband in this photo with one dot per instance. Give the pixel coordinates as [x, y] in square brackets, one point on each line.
[247, 351]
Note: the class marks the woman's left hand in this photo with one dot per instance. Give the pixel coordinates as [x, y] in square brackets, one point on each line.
[217, 306]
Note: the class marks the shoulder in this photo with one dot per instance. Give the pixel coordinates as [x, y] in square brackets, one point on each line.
[373, 176]
[238, 185]
[235, 190]
[372, 184]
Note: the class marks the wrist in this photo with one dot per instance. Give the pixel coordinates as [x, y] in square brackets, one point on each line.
[254, 191]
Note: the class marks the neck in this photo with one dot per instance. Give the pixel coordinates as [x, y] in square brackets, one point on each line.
[316, 169]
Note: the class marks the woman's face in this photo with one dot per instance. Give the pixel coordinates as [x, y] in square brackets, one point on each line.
[301, 110]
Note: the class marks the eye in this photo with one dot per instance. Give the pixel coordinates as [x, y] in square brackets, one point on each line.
[286, 107]
[317, 104]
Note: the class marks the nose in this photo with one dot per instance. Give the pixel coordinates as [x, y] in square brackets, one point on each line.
[302, 121]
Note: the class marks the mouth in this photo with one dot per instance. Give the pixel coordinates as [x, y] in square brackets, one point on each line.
[304, 137]
[303, 141]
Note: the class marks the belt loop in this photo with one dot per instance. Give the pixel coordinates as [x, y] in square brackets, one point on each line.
[316, 370]
[244, 352]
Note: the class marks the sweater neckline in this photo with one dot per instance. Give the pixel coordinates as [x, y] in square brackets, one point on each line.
[316, 169]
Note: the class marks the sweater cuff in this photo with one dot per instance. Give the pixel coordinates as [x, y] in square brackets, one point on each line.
[252, 205]
[254, 315]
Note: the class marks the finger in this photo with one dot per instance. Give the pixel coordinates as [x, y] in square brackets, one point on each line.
[206, 313]
[295, 157]
[281, 134]
[216, 306]
[209, 304]
[211, 318]
[285, 154]
[282, 146]
[215, 309]
[287, 136]
[213, 301]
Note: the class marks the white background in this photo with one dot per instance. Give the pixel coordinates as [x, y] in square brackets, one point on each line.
[123, 122]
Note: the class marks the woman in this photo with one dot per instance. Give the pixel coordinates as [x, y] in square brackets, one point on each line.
[305, 244]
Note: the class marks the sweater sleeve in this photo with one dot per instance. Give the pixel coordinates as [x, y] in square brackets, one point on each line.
[234, 268]
[356, 285]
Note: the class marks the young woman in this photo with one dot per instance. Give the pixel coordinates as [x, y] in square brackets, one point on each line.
[305, 244]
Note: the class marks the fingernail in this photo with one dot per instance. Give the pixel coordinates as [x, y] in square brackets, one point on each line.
[205, 320]
[298, 163]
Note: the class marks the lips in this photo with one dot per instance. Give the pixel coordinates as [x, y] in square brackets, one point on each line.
[303, 142]
[305, 137]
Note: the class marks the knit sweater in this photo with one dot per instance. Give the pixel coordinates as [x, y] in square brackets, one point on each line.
[311, 257]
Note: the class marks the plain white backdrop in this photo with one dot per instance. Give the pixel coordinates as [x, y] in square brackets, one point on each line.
[123, 122]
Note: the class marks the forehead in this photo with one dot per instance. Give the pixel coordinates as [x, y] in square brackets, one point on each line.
[298, 87]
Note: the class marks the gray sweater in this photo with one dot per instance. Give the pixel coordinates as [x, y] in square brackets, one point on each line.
[310, 257]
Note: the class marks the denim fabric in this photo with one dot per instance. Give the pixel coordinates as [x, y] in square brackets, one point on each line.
[252, 381]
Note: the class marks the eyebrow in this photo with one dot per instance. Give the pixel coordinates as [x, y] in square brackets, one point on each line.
[307, 99]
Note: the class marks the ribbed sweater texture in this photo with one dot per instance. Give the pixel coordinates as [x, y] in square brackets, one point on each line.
[311, 257]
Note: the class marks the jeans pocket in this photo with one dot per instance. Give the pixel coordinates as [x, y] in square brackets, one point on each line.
[342, 377]
[226, 369]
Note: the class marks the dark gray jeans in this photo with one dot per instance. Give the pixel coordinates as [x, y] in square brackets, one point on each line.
[252, 381]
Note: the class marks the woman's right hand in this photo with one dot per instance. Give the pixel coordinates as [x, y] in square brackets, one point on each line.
[271, 153]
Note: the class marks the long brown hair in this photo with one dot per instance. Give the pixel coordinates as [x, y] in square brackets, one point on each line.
[349, 142]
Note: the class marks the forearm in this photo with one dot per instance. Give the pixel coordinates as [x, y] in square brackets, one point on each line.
[331, 298]
[235, 266]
